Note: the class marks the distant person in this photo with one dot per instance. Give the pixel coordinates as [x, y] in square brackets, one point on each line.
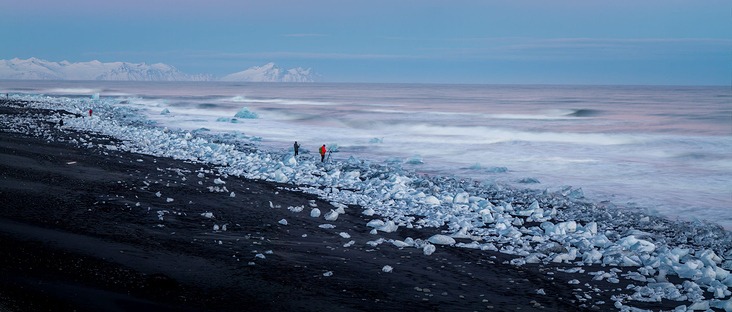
[322, 153]
[90, 112]
[61, 123]
[7, 95]
[297, 148]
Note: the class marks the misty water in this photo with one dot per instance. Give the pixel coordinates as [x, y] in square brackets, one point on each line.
[665, 150]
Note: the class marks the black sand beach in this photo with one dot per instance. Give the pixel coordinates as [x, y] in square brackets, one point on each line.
[73, 238]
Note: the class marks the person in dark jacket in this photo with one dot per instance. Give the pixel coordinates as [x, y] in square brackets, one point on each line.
[297, 148]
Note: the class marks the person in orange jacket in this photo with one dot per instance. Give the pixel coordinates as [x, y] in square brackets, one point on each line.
[322, 153]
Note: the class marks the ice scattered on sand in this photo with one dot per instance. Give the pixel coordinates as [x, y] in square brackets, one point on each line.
[327, 274]
[209, 215]
[349, 244]
[260, 256]
[387, 269]
[344, 235]
[232, 194]
[296, 209]
[218, 181]
[283, 222]
[169, 200]
[326, 226]
[535, 226]
[315, 213]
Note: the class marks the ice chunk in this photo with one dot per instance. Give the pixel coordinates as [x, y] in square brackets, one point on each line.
[331, 215]
[327, 274]
[344, 235]
[461, 198]
[283, 222]
[389, 227]
[245, 113]
[95, 96]
[387, 269]
[415, 160]
[428, 249]
[165, 112]
[218, 181]
[368, 212]
[376, 223]
[440, 239]
[207, 215]
[528, 180]
[431, 200]
[315, 213]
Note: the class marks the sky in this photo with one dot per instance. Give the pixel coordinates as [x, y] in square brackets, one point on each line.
[619, 42]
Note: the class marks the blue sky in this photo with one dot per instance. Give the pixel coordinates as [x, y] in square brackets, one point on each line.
[463, 41]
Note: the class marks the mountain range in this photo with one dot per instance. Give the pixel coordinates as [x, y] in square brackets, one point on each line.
[36, 69]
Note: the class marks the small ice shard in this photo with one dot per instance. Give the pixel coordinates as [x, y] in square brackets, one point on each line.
[440, 239]
[260, 256]
[315, 213]
[208, 215]
[344, 235]
[349, 244]
[428, 249]
[219, 181]
[331, 215]
[326, 226]
[232, 194]
[389, 227]
[246, 113]
[158, 194]
[329, 273]
[283, 222]
[387, 269]
[170, 200]
[216, 227]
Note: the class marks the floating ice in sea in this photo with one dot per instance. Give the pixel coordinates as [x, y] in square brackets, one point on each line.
[245, 113]
[497, 169]
[165, 112]
[415, 160]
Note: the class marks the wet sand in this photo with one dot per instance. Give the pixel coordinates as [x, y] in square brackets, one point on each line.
[73, 238]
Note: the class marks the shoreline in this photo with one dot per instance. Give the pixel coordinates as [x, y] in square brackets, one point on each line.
[465, 275]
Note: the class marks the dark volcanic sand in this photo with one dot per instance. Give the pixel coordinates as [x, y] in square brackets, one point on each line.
[72, 238]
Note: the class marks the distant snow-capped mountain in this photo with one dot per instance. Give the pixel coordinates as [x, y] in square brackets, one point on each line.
[273, 73]
[34, 68]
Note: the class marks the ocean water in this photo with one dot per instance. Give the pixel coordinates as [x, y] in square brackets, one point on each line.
[665, 150]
